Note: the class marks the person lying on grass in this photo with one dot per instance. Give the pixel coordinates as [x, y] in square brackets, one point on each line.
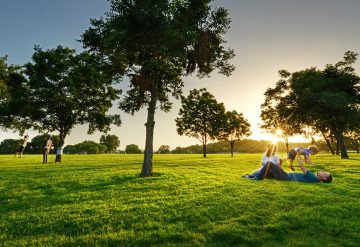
[271, 170]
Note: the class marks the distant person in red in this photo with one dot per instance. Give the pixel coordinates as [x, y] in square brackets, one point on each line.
[46, 149]
[22, 146]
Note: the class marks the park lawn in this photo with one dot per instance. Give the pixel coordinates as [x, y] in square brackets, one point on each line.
[100, 200]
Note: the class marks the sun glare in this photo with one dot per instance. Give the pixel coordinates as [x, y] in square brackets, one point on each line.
[278, 132]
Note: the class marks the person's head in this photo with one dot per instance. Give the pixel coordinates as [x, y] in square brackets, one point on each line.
[324, 177]
[271, 148]
[313, 150]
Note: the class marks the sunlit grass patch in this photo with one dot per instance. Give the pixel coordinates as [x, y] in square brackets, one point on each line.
[100, 200]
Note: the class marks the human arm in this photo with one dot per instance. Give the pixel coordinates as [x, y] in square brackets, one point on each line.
[301, 164]
[307, 159]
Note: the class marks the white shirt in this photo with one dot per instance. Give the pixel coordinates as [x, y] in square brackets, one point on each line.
[274, 159]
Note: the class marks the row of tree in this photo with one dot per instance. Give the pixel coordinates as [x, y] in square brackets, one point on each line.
[252, 146]
[203, 118]
[108, 144]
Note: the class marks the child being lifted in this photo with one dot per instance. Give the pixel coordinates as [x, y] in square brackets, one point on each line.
[311, 150]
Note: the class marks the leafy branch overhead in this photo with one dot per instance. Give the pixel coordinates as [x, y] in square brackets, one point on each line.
[160, 41]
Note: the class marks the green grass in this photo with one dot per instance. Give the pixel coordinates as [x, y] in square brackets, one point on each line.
[99, 200]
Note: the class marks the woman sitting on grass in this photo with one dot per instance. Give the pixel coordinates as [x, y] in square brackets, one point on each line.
[271, 170]
[270, 155]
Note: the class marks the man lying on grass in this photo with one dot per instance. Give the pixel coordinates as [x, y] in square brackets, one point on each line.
[271, 170]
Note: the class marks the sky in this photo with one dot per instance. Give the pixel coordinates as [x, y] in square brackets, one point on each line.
[267, 36]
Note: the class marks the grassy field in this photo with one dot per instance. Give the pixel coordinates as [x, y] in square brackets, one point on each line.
[99, 200]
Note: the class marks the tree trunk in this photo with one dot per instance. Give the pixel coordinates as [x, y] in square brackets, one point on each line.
[60, 149]
[287, 145]
[337, 145]
[150, 124]
[204, 150]
[328, 143]
[232, 148]
[344, 154]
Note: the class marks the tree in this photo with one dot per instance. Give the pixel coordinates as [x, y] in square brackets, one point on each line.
[354, 137]
[275, 118]
[132, 149]
[201, 117]
[164, 149]
[9, 146]
[37, 142]
[9, 74]
[326, 100]
[112, 142]
[234, 128]
[3, 77]
[63, 89]
[155, 43]
[85, 147]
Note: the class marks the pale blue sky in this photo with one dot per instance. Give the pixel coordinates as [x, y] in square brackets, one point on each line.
[267, 35]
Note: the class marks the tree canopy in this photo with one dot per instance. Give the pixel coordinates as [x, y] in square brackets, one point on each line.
[62, 89]
[155, 43]
[112, 142]
[234, 128]
[132, 149]
[200, 116]
[326, 100]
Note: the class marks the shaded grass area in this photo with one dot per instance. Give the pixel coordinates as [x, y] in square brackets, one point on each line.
[99, 200]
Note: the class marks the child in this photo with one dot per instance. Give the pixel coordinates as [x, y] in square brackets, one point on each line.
[311, 150]
[271, 156]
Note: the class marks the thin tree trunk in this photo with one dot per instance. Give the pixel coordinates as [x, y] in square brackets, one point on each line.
[344, 154]
[204, 150]
[328, 144]
[337, 145]
[60, 149]
[204, 141]
[232, 148]
[150, 124]
[287, 145]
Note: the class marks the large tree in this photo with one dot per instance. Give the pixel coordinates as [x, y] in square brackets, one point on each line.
[201, 117]
[234, 128]
[62, 89]
[328, 100]
[155, 43]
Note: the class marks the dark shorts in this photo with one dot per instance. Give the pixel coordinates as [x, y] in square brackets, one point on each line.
[292, 154]
[20, 149]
